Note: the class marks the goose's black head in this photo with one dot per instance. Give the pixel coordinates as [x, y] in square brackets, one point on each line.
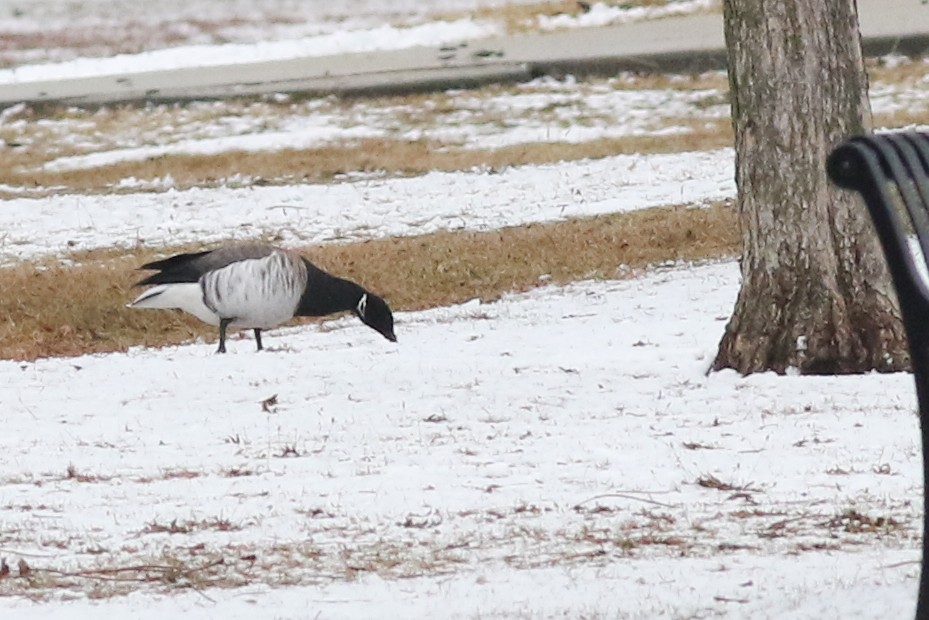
[375, 313]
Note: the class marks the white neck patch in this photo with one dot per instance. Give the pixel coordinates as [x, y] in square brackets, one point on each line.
[362, 304]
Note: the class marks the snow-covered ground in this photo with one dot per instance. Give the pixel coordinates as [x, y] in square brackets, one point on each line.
[542, 110]
[561, 453]
[532, 457]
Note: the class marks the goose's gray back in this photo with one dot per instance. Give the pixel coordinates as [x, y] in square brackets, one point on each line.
[226, 255]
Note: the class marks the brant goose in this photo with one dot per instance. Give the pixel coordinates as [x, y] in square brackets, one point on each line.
[256, 286]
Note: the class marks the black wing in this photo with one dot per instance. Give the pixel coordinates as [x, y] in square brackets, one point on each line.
[191, 266]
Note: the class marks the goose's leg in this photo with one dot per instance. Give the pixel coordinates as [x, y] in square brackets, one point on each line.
[258, 338]
[223, 324]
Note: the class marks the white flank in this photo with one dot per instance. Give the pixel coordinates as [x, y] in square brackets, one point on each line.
[187, 297]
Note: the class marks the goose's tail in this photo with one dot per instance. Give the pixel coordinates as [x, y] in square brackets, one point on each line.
[187, 297]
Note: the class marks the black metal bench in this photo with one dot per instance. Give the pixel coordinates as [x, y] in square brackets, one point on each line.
[891, 172]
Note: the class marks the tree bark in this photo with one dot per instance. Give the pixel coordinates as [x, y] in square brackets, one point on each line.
[815, 294]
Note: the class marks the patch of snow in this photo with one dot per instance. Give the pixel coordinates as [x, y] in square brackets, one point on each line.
[365, 208]
[311, 134]
[602, 14]
[340, 42]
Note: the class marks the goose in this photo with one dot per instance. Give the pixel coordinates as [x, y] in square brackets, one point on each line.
[256, 286]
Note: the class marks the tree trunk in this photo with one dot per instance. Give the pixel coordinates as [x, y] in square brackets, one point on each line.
[815, 295]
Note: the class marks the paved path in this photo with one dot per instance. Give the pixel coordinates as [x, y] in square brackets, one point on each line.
[687, 43]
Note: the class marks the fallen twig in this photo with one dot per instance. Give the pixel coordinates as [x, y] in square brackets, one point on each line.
[726, 599]
[624, 496]
[899, 564]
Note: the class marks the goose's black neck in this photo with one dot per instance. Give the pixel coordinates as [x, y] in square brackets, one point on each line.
[326, 293]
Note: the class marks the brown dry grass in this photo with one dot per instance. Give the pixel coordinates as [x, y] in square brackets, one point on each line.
[394, 157]
[48, 309]
[907, 72]
[902, 118]
[710, 80]
[518, 17]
